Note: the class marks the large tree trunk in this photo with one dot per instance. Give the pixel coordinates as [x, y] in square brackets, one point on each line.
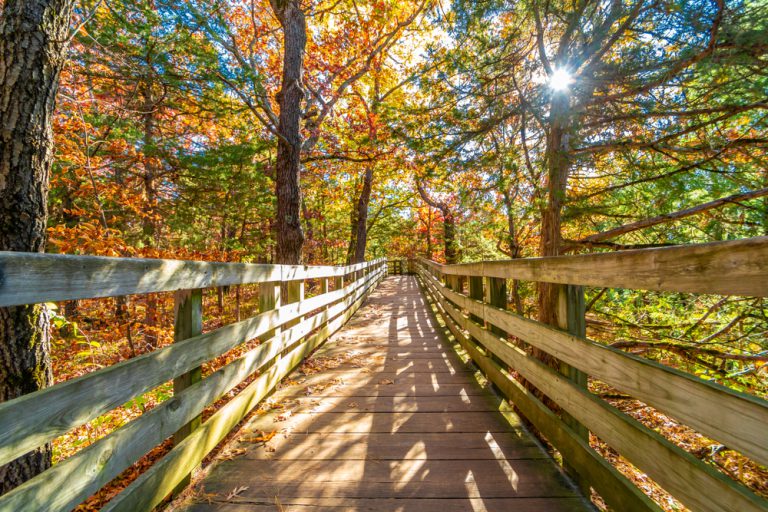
[514, 249]
[361, 229]
[149, 223]
[449, 238]
[428, 254]
[290, 237]
[352, 236]
[556, 159]
[32, 46]
[551, 217]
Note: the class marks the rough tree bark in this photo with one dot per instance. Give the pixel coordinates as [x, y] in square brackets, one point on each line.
[551, 217]
[352, 235]
[361, 226]
[32, 48]
[514, 247]
[290, 237]
[428, 227]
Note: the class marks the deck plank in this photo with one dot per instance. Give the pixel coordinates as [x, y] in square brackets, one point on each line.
[385, 417]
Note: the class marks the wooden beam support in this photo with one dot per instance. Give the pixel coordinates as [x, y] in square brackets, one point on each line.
[188, 323]
[496, 295]
[269, 299]
[294, 292]
[572, 319]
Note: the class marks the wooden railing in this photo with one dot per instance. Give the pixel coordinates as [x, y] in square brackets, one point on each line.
[291, 328]
[482, 325]
[400, 266]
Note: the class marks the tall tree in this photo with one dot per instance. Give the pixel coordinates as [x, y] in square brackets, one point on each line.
[290, 237]
[315, 76]
[32, 52]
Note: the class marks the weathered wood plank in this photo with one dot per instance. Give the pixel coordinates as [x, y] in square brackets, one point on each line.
[736, 419]
[384, 384]
[360, 421]
[28, 278]
[294, 293]
[372, 479]
[188, 323]
[389, 404]
[362, 344]
[403, 388]
[269, 299]
[264, 504]
[738, 267]
[572, 319]
[384, 447]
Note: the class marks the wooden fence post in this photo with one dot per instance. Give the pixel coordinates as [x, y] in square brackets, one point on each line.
[453, 282]
[338, 282]
[496, 295]
[324, 288]
[188, 322]
[294, 293]
[572, 318]
[269, 299]
[476, 292]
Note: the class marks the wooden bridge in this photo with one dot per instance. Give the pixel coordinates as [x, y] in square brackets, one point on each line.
[387, 415]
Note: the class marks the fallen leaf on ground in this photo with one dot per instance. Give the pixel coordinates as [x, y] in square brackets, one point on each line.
[236, 491]
[261, 438]
[284, 416]
[386, 382]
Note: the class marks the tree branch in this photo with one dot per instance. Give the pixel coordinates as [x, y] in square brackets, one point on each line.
[661, 219]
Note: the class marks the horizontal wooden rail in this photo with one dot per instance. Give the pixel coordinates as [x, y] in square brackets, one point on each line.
[30, 278]
[34, 419]
[738, 267]
[735, 419]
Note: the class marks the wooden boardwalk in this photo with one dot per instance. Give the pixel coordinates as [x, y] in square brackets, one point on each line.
[385, 417]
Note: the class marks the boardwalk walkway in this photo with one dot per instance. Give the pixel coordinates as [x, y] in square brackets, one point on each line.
[385, 417]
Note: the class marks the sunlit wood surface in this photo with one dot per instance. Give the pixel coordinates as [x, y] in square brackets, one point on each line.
[385, 417]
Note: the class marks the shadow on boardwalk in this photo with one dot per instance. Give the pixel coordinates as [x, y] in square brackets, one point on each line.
[391, 421]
